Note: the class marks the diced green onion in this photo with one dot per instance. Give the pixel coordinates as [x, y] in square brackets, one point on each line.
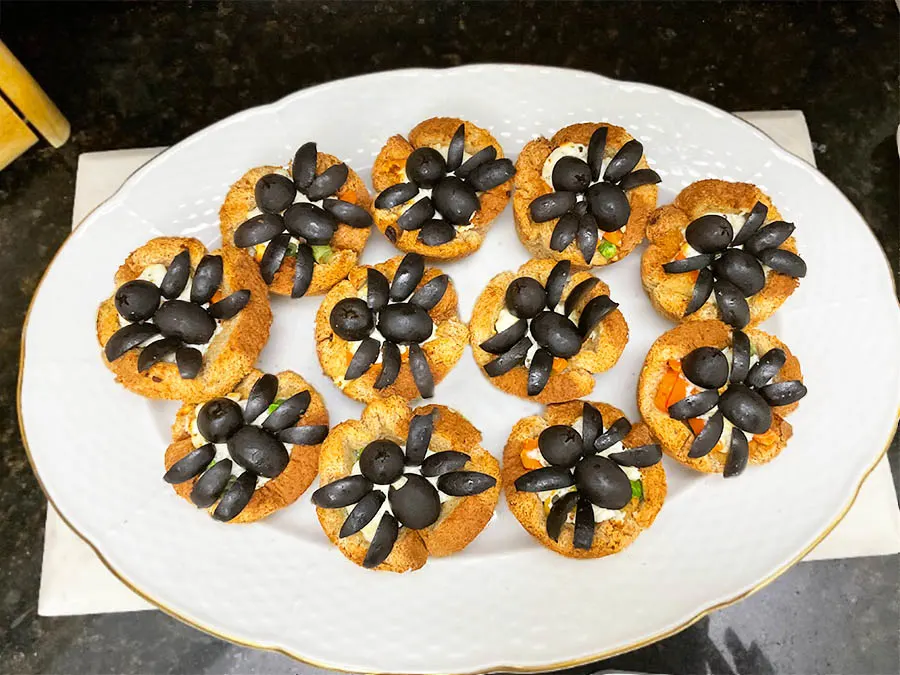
[277, 402]
[637, 490]
[322, 254]
[607, 249]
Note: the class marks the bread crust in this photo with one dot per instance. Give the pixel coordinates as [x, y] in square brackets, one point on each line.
[610, 536]
[442, 352]
[347, 242]
[231, 353]
[530, 185]
[390, 169]
[671, 293]
[285, 488]
[461, 519]
[596, 356]
[675, 437]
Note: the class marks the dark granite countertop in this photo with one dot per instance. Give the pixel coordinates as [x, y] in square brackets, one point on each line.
[138, 75]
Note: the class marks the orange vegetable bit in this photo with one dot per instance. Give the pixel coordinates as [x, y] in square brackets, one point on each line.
[674, 364]
[696, 425]
[665, 388]
[614, 237]
[349, 196]
[559, 364]
[529, 461]
[679, 391]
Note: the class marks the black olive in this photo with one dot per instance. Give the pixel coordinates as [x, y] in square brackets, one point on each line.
[577, 293]
[732, 305]
[545, 478]
[347, 212]
[583, 534]
[416, 215]
[363, 358]
[377, 289]
[559, 513]
[703, 287]
[390, 365]
[617, 431]
[303, 170]
[396, 195]
[783, 393]
[431, 293]
[508, 360]
[303, 271]
[383, 542]
[740, 356]
[418, 437]
[560, 445]
[525, 297]
[310, 222]
[421, 371]
[207, 279]
[436, 233]
[155, 351]
[742, 270]
[137, 300]
[571, 174]
[745, 409]
[594, 312]
[557, 334]
[709, 435]
[363, 513]
[753, 222]
[417, 504]
[565, 231]
[228, 307]
[304, 435]
[273, 256]
[591, 426]
[236, 497]
[623, 161]
[381, 461]
[407, 276]
[706, 367]
[211, 484]
[274, 193]
[486, 154]
[177, 275]
[405, 323]
[457, 148]
[351, 319]
[491, 174]
[261, 396]
[602, 482]
[586, 236]
[556, 282]
[539, 372]
[505, 339]
[192, 464]
[596, 146]
[772, 235]
[766, 368]
[609, 205]
[186, 321]
[465, 483]
[694, 405]
[219, 419]
[425, 167]
[783, 262]
[642, 456]
[695, 262]
[444, 462]
[328, 182]
[342, 492]
[258, 451]
[709, 234]
[128, 337]
[189, 362]
[288, 412]
[638, 178]
[551, 205]
[455, 200]
[738, 454]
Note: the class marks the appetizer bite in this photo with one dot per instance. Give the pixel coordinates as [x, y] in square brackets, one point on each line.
[441, 189]
[183, 324]
[716, 396]
[305, 224]
[400, 485]
[250, 453]
[544, 331]
[582, 480]
[720, 251]
[584, 195]
[391, 329]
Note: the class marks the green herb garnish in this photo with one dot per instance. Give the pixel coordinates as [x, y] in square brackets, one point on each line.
[277, 402]
[607, 249]
[322, 254]
[637, 490]
[291, 250]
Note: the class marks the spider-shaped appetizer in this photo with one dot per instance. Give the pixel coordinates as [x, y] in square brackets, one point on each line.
[544, 331]
[400, 485]
[183, 324]
[305, 224]
[391, 329]
[717, 396]
[584, 195]
[441, 189]
[722, 241]
[249, 453]
[581, 479]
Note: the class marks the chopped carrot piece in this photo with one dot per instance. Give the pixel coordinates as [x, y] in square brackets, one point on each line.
[696, 425]
[694, 274]
[528, 454]
[614, 237]
[674, 364]
[559, 364]
[349, 196]
[665, 388]
[681, 255]
[679, 391]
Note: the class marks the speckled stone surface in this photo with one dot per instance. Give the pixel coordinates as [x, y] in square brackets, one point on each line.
[141, 75]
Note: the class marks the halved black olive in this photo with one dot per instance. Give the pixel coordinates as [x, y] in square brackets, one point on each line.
[431, 293]
[609, 205]
[342, 492]
[766, 368]
[505, 339]
[754, 221]
[383, 541]
[363, 358]
[455, 200]
[425, 167]
[560, 445]
[137, 300]
[211, 484]
[128, 337]
[565, 231]
[258, 451]
[219, 418]
[603, 482]
[377, 289]
[624, 161]
[390, 365]
[594, 312]
[237, 496]
[709, 435]
[783, 262]
[273, 256]
[539, 372]
[351, 319]
[587, 236]
[405, 323]
[525, 297]
[745, 409]
[418, 437]
[362, 514]
[416, 215]
[583, 536]
[436, 233]
[288, 413]
[491, 174]
[706, 367]
[559, 514]
[783, 393]
[421, 371]
[617, 431]
[177, 275]
[396, 195]
[733, 307]
[261, 396]
[486, 154]
[408, 275]
[577, 293]
[508, 360]
[465, 483]
[207, 279]
[556, 283]
[192, 464]
[189, 362]
[694, 405]
[738, 454]
[741, 269]
[347, 212]
[443, 462]
[456, 149]
[228, 307]
[381, 461]
[303, 170]
[596, 146]
[695, 262]
[186, 321]
[416, 504]
[702, 289]
[551, 205]
[557, 334]
[328, 182]
[155, 351]
[306, 435]
[310, 222]
[303, 271]
[545, 478]
[639, 178]
[740, 356]
[591, 426]
[571, 174]
[274, 193]
[772, 235]
[642, 456]
[709, 233]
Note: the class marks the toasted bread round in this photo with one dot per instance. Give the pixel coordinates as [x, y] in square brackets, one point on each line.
[671, 293]
[390, 169]
[443, 350]
[347, 242]
[597, 354]
[285, 488]
[461, 519]
[675, 436]
[231, 353]
[530, 185]
[610, 536]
